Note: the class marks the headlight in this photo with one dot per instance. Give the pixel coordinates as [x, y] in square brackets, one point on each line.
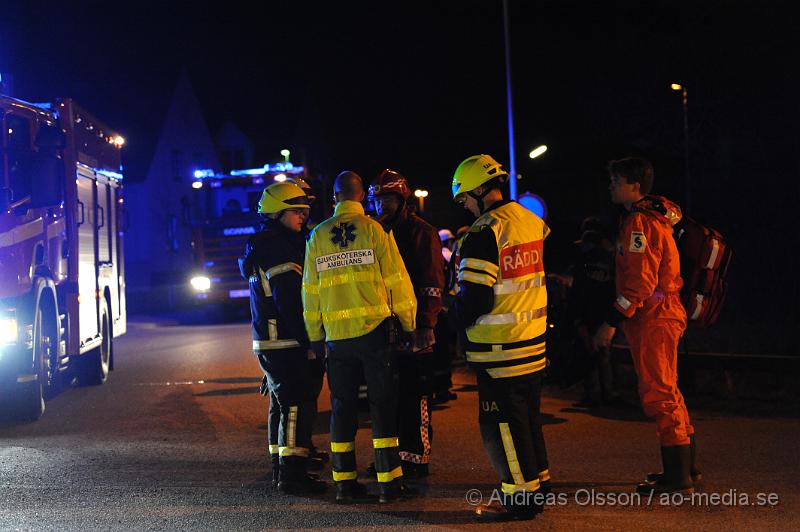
[8, 331]
[201, 283]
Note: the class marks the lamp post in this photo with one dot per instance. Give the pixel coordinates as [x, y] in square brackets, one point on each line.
[512, 164]
[421, 194]
[688, 184]
[285, 154]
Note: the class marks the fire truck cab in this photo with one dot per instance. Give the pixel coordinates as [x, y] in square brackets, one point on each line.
[230, 203]
[62, 279]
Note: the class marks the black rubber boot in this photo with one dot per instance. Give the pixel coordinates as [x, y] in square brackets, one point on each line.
[351, 491]
[294, 479]
[276, 470]
[495, 511]
[395, 490]
[695, 473]
[676, 478]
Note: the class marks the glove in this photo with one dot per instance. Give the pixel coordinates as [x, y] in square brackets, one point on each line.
[423, 339]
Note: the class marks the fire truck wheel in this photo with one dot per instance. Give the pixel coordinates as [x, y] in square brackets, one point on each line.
[30, 406]
[94, 366]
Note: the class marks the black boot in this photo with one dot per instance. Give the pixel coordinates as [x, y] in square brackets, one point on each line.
[294, 479]
[676, 478]
[395, 490]
[508, 511]
[351, 491]
[695, 473]
[276, 470]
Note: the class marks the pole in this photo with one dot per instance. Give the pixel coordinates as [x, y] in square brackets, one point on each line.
[422, 204]
[512, 164]
[688, 202]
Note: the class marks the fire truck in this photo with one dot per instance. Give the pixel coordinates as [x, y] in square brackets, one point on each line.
[62, 279]
[229, 202]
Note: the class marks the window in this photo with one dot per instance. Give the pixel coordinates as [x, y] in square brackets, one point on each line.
[20, 156]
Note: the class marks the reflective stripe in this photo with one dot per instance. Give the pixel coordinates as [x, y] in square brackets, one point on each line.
[274, 449]
[511, 287]
[623, 302]
[338, 476]
[291, 430]
[397, 472]
[533, 485]
[383, 443]
[272, 329]
[405, 305]
[343, 447]
[264, 283]
[510, 354]
[311, 288]
[347, 278]
[22, 233]
[293, 451]
[516, 371]
[393, 279]
[359, 312]
[512, 317]
[263, 345]
[478, 264]
[283, 268]
[477, 278]
[544, 476]
[511, 454]
[714, 253]
[431, 291]
[698, 298]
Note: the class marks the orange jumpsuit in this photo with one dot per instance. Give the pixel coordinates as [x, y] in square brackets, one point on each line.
[649, 310]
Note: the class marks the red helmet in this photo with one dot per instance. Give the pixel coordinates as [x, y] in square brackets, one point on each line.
[389, 182]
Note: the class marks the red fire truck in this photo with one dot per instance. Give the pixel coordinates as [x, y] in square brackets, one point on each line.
[62, 280]
[230, 203]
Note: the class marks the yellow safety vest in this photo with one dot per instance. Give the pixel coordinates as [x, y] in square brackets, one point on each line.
[510, 338]
[354, 277]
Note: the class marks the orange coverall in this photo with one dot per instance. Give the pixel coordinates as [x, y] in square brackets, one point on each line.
[649, 309]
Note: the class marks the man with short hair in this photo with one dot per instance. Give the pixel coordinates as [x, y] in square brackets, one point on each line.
[649, 310]
[502, 311]
[354, 282]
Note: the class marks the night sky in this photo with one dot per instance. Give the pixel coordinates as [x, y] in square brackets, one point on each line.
[420, 86]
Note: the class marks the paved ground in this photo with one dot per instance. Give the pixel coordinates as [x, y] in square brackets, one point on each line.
[176, 441]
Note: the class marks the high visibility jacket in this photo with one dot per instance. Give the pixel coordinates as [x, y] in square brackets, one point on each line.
[509, 340]
[354, 277]
[273, 264]
[648, 266]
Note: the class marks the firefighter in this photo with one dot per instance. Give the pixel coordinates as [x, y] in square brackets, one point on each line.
[421, 250]
[354, 282]
[649, 310]
[501, 308]
[273, 265]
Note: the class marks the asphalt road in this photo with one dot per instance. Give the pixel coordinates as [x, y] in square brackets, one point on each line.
[176, 441]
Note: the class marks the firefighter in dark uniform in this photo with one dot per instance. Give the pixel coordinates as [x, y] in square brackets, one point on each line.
[421, 250]
[354, 281]
[273, 264]
[502, 310]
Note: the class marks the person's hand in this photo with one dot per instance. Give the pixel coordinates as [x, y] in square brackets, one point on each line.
[603, 336]
[319, 349]
[423, 339]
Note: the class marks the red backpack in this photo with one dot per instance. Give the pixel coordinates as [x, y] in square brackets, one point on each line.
[705, 257]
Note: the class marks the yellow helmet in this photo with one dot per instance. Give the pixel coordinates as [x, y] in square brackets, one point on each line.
[281, 196]
[475, 171]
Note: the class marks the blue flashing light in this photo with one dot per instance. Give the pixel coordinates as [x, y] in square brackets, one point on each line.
[110, 174]
[204, 172]
[267, 168]
[216, 184]
[534, 203]
[258, 180]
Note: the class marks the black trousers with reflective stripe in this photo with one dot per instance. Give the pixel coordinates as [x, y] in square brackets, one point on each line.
[369, 356]
[414, 415]
[510, 421]
[293, 405]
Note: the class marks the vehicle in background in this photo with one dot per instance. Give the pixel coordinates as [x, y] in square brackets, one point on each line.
[62, 276]
[230, 202]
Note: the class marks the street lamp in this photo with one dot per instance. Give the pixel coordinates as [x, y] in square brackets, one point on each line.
[421, 195]
[537, 151]
[285, 154]
[685, 92]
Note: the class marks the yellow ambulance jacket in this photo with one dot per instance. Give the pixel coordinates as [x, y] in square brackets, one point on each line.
[354, 277]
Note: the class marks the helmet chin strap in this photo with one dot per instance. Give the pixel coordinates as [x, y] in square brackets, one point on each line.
[479, 198]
